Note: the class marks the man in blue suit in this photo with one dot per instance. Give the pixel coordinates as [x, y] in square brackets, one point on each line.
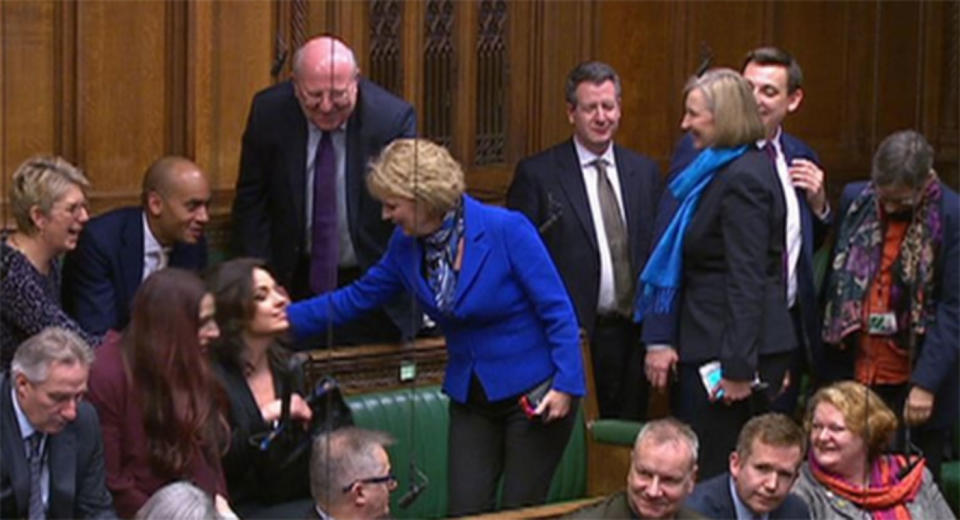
[763, 468]
[561, 190]
[119, 249]
[300, 201]
[52, 451]
[777, 87]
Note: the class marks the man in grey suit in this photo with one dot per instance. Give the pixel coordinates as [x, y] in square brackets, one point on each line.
[51, 445]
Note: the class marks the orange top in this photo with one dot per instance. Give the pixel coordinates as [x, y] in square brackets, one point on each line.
[880, 361]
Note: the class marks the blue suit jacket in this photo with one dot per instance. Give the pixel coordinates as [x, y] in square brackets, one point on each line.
[512, 323]
[78, 486]
[712, 499]
[102, 274]
[935, 361]
[268, 217]
[812, 229]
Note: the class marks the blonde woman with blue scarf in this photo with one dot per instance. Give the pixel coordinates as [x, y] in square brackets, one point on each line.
[712, 298]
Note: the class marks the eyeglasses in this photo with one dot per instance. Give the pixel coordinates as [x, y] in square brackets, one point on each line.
[389, 479]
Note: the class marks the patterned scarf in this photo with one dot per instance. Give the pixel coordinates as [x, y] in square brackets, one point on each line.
[857, 258]
[440, 252]
[887, 495]
[660, 279]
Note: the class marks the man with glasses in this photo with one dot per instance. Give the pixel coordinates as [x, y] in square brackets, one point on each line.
[350, 475]
[301, 202]
[663, 470]
[891, 316]
[119, 249]
[763, 469]
[52, 451]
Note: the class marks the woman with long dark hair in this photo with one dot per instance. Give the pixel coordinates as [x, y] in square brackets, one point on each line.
[160, 407]
[253, 367]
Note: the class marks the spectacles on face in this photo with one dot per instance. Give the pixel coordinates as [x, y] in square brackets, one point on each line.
[76, 210]
[389, 479]
[338, 97]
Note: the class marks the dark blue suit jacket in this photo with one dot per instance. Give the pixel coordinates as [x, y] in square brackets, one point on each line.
[78, 486]
[938, 352]
[813, 231]
[268, 216]
[103, 273]
[549, 185]
[712, 499]
[512, 324]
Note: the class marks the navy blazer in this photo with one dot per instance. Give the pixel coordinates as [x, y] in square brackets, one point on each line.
[78, 486]
[512, 324]
[548, 188]
[812, 229]
[268, 216]
[104, 271]
[712, 498]
[936, 358]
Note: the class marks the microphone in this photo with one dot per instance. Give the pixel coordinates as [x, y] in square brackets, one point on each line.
[556, 211]
[279, 58]
[418, 484]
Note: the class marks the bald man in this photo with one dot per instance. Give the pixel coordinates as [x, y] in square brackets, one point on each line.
[119, 249]
[301, 202]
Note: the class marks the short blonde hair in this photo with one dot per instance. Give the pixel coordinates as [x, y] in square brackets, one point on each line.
[420, 170]
[41, 181]
[730, 99]
[864, 413]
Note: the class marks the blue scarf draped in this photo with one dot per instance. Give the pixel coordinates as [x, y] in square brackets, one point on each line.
[440, 253]
[660, 279]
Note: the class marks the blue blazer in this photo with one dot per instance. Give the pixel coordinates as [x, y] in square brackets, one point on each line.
[712, 499]
[935, 362]
[512, 324]
[102, 274]
[78, 486]
[812, 229]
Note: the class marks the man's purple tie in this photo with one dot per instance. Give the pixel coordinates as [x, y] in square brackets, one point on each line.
[325, 247]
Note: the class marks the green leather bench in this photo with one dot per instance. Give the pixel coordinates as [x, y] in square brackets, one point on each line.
[417, 418]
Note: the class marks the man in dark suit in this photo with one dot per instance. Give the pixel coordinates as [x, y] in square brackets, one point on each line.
[50, 439]
[762, 470]
[663, 470]
[301, 203]
[350, 475]
[596, 219]
[119, 249]
[777, 81]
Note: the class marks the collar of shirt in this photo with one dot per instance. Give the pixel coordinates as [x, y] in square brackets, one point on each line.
[775, 141]
[322, 514]
[150, 243]
[586, 156]
[26, 429]
[743, 512]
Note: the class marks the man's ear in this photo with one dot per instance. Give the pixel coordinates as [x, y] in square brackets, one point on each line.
[571, 108]
[734, 463]
[794, 99]
[154, 203]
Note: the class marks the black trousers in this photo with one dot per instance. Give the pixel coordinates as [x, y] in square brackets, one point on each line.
[717, 424]
[786, 402]
[622, 387]
[493, 439]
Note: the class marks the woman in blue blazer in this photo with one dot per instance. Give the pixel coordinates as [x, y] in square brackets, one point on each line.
[484, 276]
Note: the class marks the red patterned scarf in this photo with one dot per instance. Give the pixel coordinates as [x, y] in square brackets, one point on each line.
[887, 494]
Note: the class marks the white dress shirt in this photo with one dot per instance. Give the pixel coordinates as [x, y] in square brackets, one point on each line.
[26, 430]
[793, 237]
[155, 256]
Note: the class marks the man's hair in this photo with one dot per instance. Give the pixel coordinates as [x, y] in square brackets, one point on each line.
[730, 99]
[595, 72]
[159, 177]
[339, 50]
[864, 413]
[51, 345]
[777, 56]
[667, 430]
[774, 429]
[903, 158]
[181, 500]
[341, 457]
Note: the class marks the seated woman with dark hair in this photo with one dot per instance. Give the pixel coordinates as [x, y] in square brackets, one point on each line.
[847, 475]
[253, 367]
[47, 200]
[160, 406]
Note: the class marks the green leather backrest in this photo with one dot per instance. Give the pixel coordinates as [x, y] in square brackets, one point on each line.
[418, 419]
